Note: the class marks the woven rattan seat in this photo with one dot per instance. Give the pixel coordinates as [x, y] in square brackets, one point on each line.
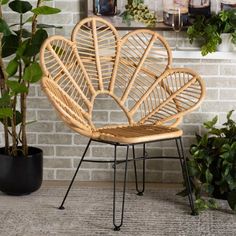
[136, 72]
[137, 133]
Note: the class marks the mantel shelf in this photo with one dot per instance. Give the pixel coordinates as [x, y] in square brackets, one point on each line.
[196, 54]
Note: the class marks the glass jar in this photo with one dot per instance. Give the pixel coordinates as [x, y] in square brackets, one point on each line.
[170, 6]
[200, 7]
[105, 7]
[227, 4]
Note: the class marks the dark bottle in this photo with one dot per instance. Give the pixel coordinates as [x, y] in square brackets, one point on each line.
[105, 7]
[199, 7]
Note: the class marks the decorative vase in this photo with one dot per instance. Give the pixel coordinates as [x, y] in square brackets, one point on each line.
[226, 44]
[21, 175]
[199, 7]
[105, 7]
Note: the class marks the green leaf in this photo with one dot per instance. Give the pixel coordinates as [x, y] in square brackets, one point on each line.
[5, 100]
[209, 176]
[5, 113]
[4, 28]
[211, 123]
[20, 6]
[3, 2]
[229, 114]
[12, 67]
[34, 45]
[25, 33]
[16, 87]
[33, 73]
[30, 19]
[45, 10]
[9, 45]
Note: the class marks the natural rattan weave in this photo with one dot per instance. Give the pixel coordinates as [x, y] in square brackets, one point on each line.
[136, 72]
[135, 69]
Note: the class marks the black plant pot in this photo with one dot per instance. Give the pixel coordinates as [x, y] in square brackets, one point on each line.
[21, 175]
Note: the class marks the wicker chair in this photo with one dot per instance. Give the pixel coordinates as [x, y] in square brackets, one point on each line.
[136, 72]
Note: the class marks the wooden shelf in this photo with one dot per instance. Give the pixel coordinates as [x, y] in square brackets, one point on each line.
[120, 25]
[196, 54]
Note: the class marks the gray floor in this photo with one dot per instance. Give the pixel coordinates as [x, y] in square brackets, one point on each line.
[89, 212]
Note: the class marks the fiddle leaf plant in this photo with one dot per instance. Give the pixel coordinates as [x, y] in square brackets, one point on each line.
[212, 166]
[20, 44]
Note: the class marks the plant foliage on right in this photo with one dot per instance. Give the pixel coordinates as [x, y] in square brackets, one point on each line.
[212, 166]
[209, 30]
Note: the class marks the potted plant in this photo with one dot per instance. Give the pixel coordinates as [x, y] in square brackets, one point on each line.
[20, 42]
[211, 31]
[212, 166]
[136, 10]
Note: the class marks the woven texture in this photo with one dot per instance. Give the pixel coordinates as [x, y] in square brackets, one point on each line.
[134, 70]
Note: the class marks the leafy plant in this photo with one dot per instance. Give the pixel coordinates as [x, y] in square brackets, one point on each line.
[20, 43]
[136, 10]
[208, 30]
[212, 166]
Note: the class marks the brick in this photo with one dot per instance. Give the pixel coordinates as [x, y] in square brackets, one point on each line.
[212, 94]
[65, 19]
[221, 106]
[48, 174]
[100, 116]
[47, 115]
[90, 165]
[80, 140]
[54, 139]
[61, 127]
[31, 138]
[40, 103]
[227, 70]
[70, 151]
[118, 117]
[40, 127]
[228, 94]
[67, 174]
[204, 69]
[102, 152]
[47, 150]
[74, 6]
[221, 82]
[57, 163]
[31, 115]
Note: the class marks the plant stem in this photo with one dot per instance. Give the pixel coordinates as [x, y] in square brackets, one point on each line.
[3, 78]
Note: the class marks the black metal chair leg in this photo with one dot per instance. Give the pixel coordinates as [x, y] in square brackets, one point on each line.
[139, 192]
[72, 181]
[186, 177]
[117, 226]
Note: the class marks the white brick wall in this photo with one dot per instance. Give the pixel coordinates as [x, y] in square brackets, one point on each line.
[63, 148]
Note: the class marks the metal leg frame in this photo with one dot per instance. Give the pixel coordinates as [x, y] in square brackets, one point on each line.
[139, 192]
[186, 177]
[72, 181]
[117, 226]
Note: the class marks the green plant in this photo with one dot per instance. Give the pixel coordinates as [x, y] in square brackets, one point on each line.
[20, 43]
[214, 162]
[212, 166]
[208, 30]
[136, 10]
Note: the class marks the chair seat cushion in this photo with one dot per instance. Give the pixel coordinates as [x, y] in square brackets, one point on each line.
[136, 134]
